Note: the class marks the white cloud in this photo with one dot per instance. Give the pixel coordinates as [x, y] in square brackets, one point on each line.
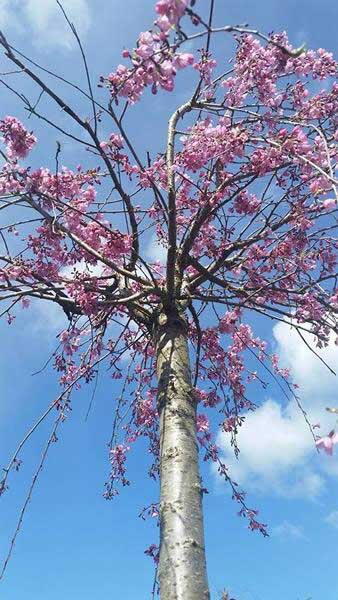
[155, 251]
[83, 267]
[332, 519]
[277, 453]
[315, 381]
[45, 318]
[48, 318]
[275, 445]
[288, 530]
[45, 20]
[4, 13]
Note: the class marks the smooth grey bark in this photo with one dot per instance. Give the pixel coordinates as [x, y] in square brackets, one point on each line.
[182, 565]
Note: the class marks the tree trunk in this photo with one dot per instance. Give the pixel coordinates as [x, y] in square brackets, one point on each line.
[182, 564]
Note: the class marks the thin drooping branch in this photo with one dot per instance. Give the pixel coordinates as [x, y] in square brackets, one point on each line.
[51, 439]
[84, 59]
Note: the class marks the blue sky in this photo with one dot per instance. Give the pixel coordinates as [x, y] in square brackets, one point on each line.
[73, 543]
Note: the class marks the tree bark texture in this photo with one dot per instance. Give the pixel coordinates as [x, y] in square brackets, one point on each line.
[182, 564]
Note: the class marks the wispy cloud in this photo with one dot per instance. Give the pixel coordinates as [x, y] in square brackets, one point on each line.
[289, 530]
[45, 318]
[156, 251]
[46, 21]
[48, 318]
[332, 519]
[316, 383]
[5, 13]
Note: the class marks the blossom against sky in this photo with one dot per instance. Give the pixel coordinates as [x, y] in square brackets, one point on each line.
[73, 544]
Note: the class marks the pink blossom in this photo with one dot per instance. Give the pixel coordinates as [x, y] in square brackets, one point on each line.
[154, 552]
[330, 203]
[228, 323]
[70, 339]
[146, 412]
[152, 62]
[246, 203]
[118, 457]
[327, 442]
[172, 9]
[183, 59]
[17, 139]
[202, 423]
[25, 302]
[205, 67]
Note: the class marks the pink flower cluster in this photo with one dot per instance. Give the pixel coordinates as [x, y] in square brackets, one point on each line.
[114, 144]
[327, 442]
[152, 65]
[118, 457]
[257, 69]
[154, 552]
[146, 414]
[153, 62]
[170, 12]
[320, 106]
[202, 423]
[225, 367]
[70, 340]
[246, 204]
[206, 141]
[228, 323]
[205, 66]
[208, 398]
[18, 140]
[318, 63]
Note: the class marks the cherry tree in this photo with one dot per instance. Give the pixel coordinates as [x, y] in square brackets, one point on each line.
[241, 197]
